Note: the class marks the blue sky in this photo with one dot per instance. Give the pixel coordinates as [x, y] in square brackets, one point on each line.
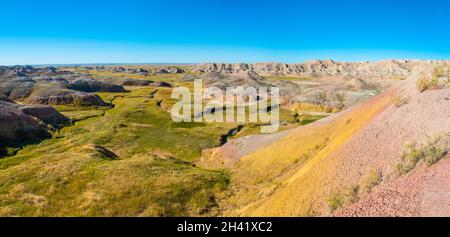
[132, 31]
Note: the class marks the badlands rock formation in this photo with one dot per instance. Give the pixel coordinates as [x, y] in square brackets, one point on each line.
[140, 71]
[340, 84]
[27, 123]
[133, 82]
[301, 172]
[50, 86]
[321, 68]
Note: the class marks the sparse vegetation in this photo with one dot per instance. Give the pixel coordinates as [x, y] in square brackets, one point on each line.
[439, 71]
[409, 159]
[430, 153]
[425, 83]
[341, 97]
[339, 199]
[369, 181]
[335, 202]
[434, 151]
[352, 193]
[399, 101]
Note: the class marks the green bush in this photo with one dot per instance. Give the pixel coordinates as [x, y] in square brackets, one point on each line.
[431, 152]
[369, 181]
[434, 151]
[409, 159]
[346, 197]
[335, 201]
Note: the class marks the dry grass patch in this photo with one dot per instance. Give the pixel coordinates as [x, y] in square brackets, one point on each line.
[425, 83]
[399, 101]
[372, 179]
[351, 194]
[340, 199]
[429, 153]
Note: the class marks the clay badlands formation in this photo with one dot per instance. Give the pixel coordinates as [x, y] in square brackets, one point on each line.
[349, 164]
[357, 139]
[320, 68]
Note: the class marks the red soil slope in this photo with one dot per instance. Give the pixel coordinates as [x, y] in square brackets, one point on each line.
[296, 175]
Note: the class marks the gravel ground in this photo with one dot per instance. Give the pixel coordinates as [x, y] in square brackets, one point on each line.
[424, 192]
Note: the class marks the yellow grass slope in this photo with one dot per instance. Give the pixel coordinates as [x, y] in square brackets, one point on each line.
[288, 177]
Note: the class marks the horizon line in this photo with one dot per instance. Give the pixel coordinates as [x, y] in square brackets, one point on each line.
[217, 62]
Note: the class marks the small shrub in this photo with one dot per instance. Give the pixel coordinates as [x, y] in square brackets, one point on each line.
[430, 153]
[410, 158]
[346, 197]
[351, 194]
[422, 84]
[434, 83]
[438, 72]
[434, 151]
[369, 181]
[335, 202]
[399, 101]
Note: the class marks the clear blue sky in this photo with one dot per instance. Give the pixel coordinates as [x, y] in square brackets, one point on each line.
[132, 31]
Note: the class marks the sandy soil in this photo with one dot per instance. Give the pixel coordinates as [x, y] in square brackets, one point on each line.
[228, 154]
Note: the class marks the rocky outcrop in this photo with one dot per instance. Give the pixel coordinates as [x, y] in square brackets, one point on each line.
[16, 71]
[50, 86]
[168, 70]
[17, 127]
[143, 71]
[22, 71]
[381, 69]
[47, 114]
[17, 88]
[243, 78]
[161, 84]
[21, 124]
[102, 151]
[136, 82]
[90, 85]
[64, 97]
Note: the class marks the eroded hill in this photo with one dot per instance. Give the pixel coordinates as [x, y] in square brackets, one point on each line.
[334, 163]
